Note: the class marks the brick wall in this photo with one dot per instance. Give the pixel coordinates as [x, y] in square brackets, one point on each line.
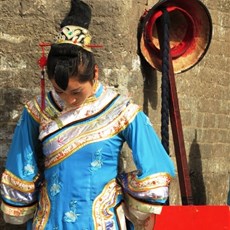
[203, 91]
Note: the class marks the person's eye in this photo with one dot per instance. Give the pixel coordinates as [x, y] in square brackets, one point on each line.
[76, 92]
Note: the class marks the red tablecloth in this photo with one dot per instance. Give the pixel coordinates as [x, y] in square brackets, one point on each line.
[193, 218]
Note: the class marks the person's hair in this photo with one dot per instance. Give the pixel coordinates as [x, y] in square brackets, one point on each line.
[68, 60]
[65, 61]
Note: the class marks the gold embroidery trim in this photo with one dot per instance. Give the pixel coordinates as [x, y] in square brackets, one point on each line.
[17, 211]
[151, 182]
[119, 124]
[14, 182]
[141, 205]
[43, 211]
[102, 204]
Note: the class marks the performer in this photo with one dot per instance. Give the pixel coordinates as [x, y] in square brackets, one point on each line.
[82, 129]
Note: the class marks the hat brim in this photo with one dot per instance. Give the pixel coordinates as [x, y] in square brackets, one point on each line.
[190, 34]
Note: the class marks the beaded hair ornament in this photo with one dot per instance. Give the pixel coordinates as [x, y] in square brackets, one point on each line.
[75, 35]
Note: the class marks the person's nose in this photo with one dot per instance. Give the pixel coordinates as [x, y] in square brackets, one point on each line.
[70, 99]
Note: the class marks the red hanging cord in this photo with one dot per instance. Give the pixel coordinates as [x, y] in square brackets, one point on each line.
[94, 46]
[42, 63]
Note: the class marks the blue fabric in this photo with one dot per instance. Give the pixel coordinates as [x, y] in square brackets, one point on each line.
[68, 199]
[21, 158]
[148, 153]
[23, 147]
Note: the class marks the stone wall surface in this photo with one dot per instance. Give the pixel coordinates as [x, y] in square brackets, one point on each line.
[203, 91]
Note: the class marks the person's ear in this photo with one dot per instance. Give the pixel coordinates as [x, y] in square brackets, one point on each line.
[96, 73]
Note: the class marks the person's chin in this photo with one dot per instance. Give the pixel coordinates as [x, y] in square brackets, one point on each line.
[75, 106]
[71, 106]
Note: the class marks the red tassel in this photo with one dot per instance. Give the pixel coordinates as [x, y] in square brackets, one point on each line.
[42, 86]
[42, 63]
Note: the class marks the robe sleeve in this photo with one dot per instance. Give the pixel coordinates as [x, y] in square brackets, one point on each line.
[20, 179]
[146, 189]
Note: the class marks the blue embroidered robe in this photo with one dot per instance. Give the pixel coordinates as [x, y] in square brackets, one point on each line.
[82, 188]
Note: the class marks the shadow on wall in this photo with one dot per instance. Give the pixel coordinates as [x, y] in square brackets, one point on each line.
[9, 104]
[10, 113]
[150, 86]
[149, 75]
[196, 174]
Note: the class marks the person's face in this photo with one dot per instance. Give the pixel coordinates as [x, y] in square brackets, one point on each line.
[76, 92]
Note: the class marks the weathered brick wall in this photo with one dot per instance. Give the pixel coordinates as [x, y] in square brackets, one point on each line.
[203, 91]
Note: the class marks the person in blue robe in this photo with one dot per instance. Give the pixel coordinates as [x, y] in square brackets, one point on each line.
[62, 169]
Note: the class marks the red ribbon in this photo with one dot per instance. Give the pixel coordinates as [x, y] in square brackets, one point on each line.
[42, 63]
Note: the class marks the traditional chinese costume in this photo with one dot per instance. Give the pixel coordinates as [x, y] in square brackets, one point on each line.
[81, 188]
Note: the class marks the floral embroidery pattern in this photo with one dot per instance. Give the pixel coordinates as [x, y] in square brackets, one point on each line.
[71, 216]
[43, 211]
[154, 181]
[29, 168]
[55, 185]
[102, 215]
[13, 181]
[109, 225]
[154, 187]
[97, 163]
[99, 130]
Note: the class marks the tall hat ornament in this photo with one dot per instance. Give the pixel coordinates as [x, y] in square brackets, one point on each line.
[77, 34]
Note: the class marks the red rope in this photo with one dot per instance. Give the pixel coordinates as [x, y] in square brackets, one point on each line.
[42, 87]
[42, 63]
